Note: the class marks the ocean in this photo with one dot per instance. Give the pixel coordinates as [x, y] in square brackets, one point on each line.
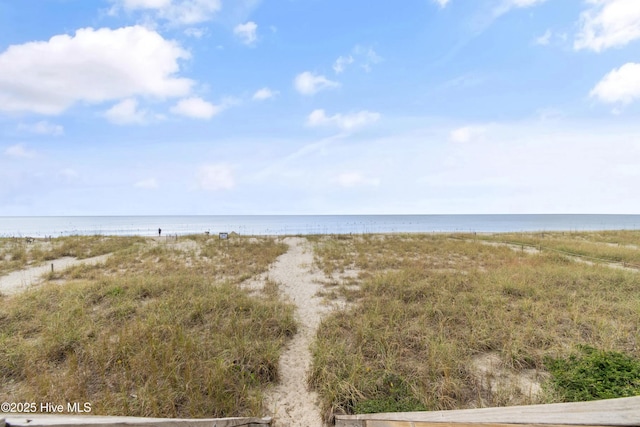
[306, 224]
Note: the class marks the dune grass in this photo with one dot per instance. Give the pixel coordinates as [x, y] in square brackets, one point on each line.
[428, 305]
[615, 246]
[160, 330]
[16, 254]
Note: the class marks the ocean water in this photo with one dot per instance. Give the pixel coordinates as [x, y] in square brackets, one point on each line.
[306, 224]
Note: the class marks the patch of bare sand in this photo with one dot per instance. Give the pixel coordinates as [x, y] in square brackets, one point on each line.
[19, 281]
[291, 403]
[518, 387]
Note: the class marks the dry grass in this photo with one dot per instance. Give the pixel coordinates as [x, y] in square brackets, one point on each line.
[16, 254]
[615, 246]
[156, 331]
[429, 305]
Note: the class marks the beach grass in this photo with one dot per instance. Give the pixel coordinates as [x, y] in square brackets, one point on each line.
[612, 246]
[16, 254]
[161, 329]
[430, 308]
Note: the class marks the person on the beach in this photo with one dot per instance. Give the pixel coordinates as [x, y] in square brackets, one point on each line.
[159, 231]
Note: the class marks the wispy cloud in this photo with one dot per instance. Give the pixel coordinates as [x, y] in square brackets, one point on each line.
[42, 127]
[308, 83]
[246, 32]
[341, 63]
[544, 39]
[345, 122]
[195, 108]
[264, 93]
[19, 151]
[176, 12]
[363, 56]
[126, 113]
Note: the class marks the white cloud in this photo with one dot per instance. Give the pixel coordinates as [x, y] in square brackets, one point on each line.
[42, 127]
[246, 32]
[195, 32]
[356, 179]
[19, 151]
[308, 83]
[363, 56]
[215, 177]
[149, 184]
[341, 62]
[196, 108]
[145, 4]
[442, 3]
[620, 85]
[544, 39]
[126, 112]
[176, 12]
[507, 5]
[368, 57]
[466, 134]
[92, 66]
[608, 23]
[525, 3]
[345, 122]
[264, 93]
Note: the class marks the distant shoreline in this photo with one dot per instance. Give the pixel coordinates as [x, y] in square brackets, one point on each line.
[291, 225]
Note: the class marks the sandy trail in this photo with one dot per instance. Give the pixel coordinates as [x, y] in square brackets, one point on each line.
[18, 281]
[290, 402]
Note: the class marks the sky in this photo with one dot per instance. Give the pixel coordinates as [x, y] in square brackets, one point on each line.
[229, 107]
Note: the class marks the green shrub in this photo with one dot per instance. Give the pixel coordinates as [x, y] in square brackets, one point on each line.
[595, 374]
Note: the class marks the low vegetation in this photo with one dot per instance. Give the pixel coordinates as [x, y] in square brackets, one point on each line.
[593, 374]
[614, 246]
[16, 254]
[161, 329]
[429, 306]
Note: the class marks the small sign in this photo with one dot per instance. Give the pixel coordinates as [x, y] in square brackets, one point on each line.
[224, 236]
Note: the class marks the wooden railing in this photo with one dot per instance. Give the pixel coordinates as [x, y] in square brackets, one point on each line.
[38, 420]
[612, 412]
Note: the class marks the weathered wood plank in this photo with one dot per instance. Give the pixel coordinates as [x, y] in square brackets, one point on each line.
[39, 420]
[611, 412]
[372, 423]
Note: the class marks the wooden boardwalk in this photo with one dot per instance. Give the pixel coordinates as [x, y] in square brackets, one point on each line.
[612, 412]
[39, 420]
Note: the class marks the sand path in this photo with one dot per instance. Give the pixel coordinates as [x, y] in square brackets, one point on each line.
[18, 281]
[290, 402]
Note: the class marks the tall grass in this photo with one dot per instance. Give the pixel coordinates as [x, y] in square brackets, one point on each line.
[428, 305]
[153, 332]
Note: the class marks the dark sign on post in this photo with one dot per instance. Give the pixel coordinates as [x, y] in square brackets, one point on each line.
[224, 236]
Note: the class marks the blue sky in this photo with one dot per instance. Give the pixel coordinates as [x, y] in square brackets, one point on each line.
[125, 107]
